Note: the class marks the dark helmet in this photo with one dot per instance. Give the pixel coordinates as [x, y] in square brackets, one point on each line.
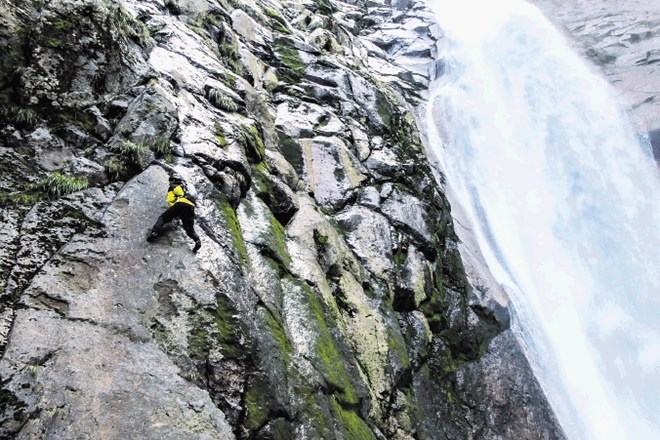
[176, 177]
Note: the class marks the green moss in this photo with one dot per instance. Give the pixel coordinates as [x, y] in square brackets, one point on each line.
[290, 58]
[198, 343]
[53, 43]
[352, 425]
[454, 270]
[215, 328]
[331, 363]
[220, 134]
[384, 108]
[448, 364]
[228, 328]
[397, 347]
[251, 140]
[260, 149]
[277, 242]
[280, 337]
[320, 239]
[263, 167]
[256, 407]
[316, 413]
[435, 305]
[63, 25]
[230, 81]
[277, 21]
[234, 227]
[450, 397]
[400, 256]
[483, 347]
[210, 20]
[263, 186]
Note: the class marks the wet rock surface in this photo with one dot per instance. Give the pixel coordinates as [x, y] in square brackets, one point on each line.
[329, 298]
[623, 40]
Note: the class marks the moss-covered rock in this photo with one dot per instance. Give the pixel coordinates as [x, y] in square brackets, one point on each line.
[232, 224]
[293, 68]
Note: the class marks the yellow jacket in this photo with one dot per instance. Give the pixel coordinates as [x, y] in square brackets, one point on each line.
[176, 194]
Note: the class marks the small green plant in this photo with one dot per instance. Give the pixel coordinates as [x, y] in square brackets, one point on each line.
[230, 81]
[210, 20]
[26, 117]
[192, 375]
[222, 101]
[229, 54]
[127, 148]
[161, 145]
[63, 25]
[228, 50]
[115, 168]
[129, 26]
[135, 152]
[58, 184]
[18, 198]
[53, 43]
[53, 412]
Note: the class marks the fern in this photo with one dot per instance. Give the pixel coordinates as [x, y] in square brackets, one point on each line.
[115, 168]
[161, 146]
[135, 152]
[58, 184]
[222, 101]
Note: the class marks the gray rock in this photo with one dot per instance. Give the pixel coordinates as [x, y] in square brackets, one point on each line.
[331, 171]
[369, 236]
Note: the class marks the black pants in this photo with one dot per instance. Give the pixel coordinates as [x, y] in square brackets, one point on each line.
[181, 210]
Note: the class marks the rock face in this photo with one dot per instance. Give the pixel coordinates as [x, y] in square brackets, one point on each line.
[328, 300]
[623, 39]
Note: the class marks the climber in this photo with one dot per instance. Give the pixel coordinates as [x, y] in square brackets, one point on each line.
[182, 205]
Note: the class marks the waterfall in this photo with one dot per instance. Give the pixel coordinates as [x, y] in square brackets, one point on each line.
[564, 203]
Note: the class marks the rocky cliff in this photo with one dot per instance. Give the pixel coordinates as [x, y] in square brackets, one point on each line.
[328, 300]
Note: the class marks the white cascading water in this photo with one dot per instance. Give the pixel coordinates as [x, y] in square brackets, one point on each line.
[564, 203]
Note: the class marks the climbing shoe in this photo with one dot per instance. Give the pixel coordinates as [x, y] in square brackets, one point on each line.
[198, 244]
